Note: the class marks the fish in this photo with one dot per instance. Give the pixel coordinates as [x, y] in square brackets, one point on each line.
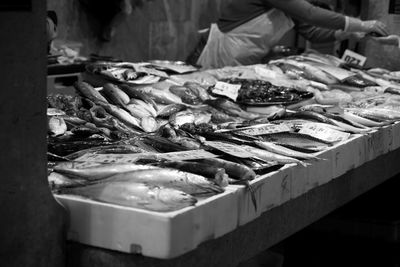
[376, 114]
[136, 93]
[232, 108]
[56, 126]
[110, 149]
[193, 184]
[218, 116]
[198, 90]
[89, 92]
[269, 156]
[162, 144]
[233, 170]
[296, 141]
[313, 72]
[115, 95]
[161, 96]
[274, 148]
[358, 81]
[186, 142]
[297, 124]
[189, 116]
[96, 171]
[149, 124]
[57, 181]
[55, 112]
[146, 106]
[137, 195]
[211, 172]
[361, 120]
[122, 115]
[170, 109]
[185, 94]
[138, 111]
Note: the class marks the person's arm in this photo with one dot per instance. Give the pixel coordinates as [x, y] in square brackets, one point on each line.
[315, 34]
[304, 11]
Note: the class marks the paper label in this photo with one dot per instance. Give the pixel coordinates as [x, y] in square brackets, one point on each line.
[187, 155]
[353, 58]
[234, 150]
[265, 129]
[227, 89]
[323, 133]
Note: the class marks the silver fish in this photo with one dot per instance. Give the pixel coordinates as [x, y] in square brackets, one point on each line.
[136, 195]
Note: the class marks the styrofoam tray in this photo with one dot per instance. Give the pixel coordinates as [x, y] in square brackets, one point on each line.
[153, 234]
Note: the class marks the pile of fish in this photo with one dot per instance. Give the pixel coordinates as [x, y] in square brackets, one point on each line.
[120, 143]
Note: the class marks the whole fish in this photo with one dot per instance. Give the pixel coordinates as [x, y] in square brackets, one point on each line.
[96, 171]
[358, 81]
[274, 148]
[268, 156]
[162, 144]
[161, 96]
[189, 183]
[115, 94]
[234, 170]
[56, 126]
[296, 141]
[122, 115]
[136, 93]
[186, 142]
[211, 172]
[218, 116]
[361, 120]
[232, 108]
[136, 195]
[185, 94]
[88, 91]
[189, 116]
[168, 110]
[198, 90]
[315, 73]
[111, 149]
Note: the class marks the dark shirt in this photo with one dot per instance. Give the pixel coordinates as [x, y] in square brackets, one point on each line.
[314, 23]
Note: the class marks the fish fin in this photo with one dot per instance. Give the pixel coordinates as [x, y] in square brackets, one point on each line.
[252, 193]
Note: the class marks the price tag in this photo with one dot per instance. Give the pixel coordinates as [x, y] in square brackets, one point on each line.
[233, 150]
[187, 155]
[323, 133]
[265, 129]
[227, 89]
[353, 58]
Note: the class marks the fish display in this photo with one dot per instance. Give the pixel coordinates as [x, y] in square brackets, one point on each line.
[108, 142]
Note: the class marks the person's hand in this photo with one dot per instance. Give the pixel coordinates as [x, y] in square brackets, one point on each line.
[374, 26]
[368, 26]
[354, 36]
[388, 40]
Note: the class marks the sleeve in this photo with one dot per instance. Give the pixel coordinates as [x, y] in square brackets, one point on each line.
[315, 34]
[304, 11]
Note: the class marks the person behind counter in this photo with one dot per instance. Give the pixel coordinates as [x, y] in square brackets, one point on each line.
[248, 29]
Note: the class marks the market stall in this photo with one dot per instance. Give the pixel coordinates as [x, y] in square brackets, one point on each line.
[149, 160]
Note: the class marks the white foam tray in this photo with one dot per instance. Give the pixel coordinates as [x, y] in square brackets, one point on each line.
[167, 235]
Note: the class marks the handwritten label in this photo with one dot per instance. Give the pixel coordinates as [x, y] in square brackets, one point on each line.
[354, 58]
[233, 150]
[265, 129]
[323, 133]
[187, 155]
[227, 89]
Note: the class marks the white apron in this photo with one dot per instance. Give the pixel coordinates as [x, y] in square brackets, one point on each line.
[246, 44]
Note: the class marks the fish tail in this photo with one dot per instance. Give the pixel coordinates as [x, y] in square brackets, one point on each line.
[252, 194]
